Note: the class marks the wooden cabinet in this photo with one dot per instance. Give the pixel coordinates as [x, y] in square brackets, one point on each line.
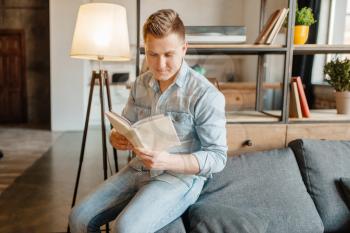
[239, 99]
[242, 95]
[330, 131]
[243, 138]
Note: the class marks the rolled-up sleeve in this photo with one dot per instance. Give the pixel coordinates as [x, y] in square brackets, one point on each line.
[210, 125]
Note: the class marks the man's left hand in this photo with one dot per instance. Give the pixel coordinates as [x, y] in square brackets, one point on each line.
[157, 160]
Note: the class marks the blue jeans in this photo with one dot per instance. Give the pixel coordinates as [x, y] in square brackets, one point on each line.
[137, 202]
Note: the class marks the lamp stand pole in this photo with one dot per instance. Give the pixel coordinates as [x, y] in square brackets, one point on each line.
[102, 77]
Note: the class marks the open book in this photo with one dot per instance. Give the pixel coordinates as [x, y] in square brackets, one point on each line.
[153, 133]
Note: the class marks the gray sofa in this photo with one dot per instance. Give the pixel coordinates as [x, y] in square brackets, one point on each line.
[297, 189]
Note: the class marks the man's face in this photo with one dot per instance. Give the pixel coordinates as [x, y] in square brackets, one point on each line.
[164, 55]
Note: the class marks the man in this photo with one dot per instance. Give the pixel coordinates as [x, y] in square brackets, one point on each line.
[156, 187]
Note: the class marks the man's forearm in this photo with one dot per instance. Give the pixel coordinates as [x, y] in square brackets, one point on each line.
[183, 163]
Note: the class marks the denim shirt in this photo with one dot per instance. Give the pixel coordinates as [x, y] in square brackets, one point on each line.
[197, 110]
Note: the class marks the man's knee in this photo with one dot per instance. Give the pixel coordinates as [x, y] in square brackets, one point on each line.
[125, 224]
[122, 225]
[80, 220]
[74, 221]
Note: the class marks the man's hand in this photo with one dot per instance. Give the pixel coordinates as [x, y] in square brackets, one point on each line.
[119, 142]
[157, 160]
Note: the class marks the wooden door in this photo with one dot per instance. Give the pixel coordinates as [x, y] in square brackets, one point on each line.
[13, 104]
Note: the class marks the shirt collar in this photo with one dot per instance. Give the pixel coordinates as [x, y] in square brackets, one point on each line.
[180, 77]
[153, 84]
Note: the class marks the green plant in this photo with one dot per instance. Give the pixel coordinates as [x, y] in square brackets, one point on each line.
[304, 16]
[338, 72]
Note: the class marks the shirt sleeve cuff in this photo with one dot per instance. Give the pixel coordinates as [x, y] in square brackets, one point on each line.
[202, 158]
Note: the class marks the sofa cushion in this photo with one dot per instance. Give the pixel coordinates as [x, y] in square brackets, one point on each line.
[267, 184]
[176, 226]
[345, 184]
[322, 163]
[207, 218]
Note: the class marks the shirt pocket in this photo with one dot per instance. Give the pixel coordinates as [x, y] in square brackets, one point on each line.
[183, 123]
[142, 112]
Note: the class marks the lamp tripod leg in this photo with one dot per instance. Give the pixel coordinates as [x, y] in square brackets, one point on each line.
[81, 158]
[103, 127]
[105, 77]
[104, 144]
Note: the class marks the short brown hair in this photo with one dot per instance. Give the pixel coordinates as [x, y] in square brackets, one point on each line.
[162, 23]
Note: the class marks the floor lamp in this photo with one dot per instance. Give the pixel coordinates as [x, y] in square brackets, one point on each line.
[100, 34]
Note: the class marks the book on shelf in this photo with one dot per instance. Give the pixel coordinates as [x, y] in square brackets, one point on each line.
[215, 34]
[154, 132]
[272, 27]
[294, 105]
[303, 101]
[267, 27]
[272, 36]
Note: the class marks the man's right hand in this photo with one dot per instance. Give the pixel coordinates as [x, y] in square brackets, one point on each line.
[119, 142]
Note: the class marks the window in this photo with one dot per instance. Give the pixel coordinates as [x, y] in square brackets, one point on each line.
[333, 28]
[347, 24]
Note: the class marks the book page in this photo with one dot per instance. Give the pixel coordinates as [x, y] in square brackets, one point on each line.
[157, 133]
[134, 139]
[117, 117]
[122, 125]
[147, 119]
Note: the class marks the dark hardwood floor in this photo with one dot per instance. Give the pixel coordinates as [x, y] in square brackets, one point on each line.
[40, 199]
[21, 147]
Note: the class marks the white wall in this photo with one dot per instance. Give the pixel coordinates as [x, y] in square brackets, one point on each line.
[199, 12]
[205, 12]
[192, 12]
[67, 75]
[251, 20]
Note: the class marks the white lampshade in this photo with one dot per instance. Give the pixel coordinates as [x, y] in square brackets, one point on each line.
[101, 32]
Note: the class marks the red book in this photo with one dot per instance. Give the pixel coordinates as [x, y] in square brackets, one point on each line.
[303, 102]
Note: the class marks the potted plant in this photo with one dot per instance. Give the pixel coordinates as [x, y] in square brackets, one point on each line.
[304, 18]
[338, 76]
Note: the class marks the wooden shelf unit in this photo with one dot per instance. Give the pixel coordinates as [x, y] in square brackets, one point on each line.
[322, 115]
[288, 50]
[252, 117]
[317, 116]
[309, 49]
